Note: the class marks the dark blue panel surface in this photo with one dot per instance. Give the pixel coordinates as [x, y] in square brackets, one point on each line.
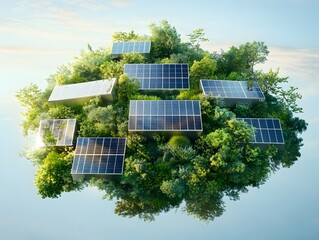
[99, 156]
[232, 89]
[165, 115]
[159, 76]
[267, 130]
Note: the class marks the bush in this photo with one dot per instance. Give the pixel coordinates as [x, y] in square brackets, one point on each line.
[179, 141]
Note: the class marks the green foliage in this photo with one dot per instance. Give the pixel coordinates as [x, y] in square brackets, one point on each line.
[270, 84]
[48, 138]
[242, 58]
[242, 110]
[203, 69]
[165, 40]
[133, 58]
[192, 94]
[112, 69]
[162, 172]
[53, 177]
[33, 99]
[126, 89]
[196, 37]
[126, 37]
[174, 188]
[61, 112]
[179, 141]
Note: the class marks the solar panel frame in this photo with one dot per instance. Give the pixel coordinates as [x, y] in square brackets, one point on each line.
[267, 130]
[165, 116]
[142, 47]
[64, 136]
[99, 156]
[170, 76]
[231, 89]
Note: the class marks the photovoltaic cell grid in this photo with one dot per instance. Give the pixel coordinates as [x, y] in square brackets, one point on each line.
[61, 129]
[165, 115]
[232, 89]
[159, 76]
[99, 155]
[119, 48]
[267, 130]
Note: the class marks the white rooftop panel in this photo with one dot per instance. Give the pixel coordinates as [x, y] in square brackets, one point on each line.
[83, 90]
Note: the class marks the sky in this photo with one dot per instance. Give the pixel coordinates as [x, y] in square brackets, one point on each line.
[39, 36]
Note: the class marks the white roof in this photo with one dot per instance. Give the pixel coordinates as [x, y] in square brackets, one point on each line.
[82, 90]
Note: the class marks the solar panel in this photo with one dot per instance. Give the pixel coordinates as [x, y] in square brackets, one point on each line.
[119, 48]
[57, 132]
[98, 156]
[267, 130]
[83, 90]
[159, 76]
[165, 115]
[232, 89]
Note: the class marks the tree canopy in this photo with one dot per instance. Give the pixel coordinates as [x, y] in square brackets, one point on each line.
[165, 172]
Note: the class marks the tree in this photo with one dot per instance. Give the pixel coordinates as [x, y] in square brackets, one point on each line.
[165, 40]
[86, 67]
[53, 177]
[196, 37]
[203, 69]
[241, 59]
[270, 83]
[179, 141]
[112, 69]
[126, 37]
[34, 100]
[126, 89]
[253, 53]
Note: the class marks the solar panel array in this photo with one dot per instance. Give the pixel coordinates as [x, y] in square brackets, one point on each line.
[159, 76]
[231, 89]
[119, 48]
[83, 90]
[99, 155]
[165, 115]
[267, 130]
[62, 130]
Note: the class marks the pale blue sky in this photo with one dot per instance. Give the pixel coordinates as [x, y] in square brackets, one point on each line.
[38, 36]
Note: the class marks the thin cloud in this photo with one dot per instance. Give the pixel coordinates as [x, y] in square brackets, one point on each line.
[55, 21]
[94, 5]
[30, 51]
[121, 3]
[300, 65]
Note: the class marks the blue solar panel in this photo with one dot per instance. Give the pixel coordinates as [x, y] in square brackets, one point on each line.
[119, 48]
[62, 130]
[232, 89]
[165, 115]
[99, 155]
[267, 130]
[159, 76]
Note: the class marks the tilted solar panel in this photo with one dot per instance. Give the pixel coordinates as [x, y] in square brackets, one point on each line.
[119, 48]
[159, 76]
[57, 132]
[165, 115]
[267, 130]
[232, 89]
[99, 155]
[83, 90]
